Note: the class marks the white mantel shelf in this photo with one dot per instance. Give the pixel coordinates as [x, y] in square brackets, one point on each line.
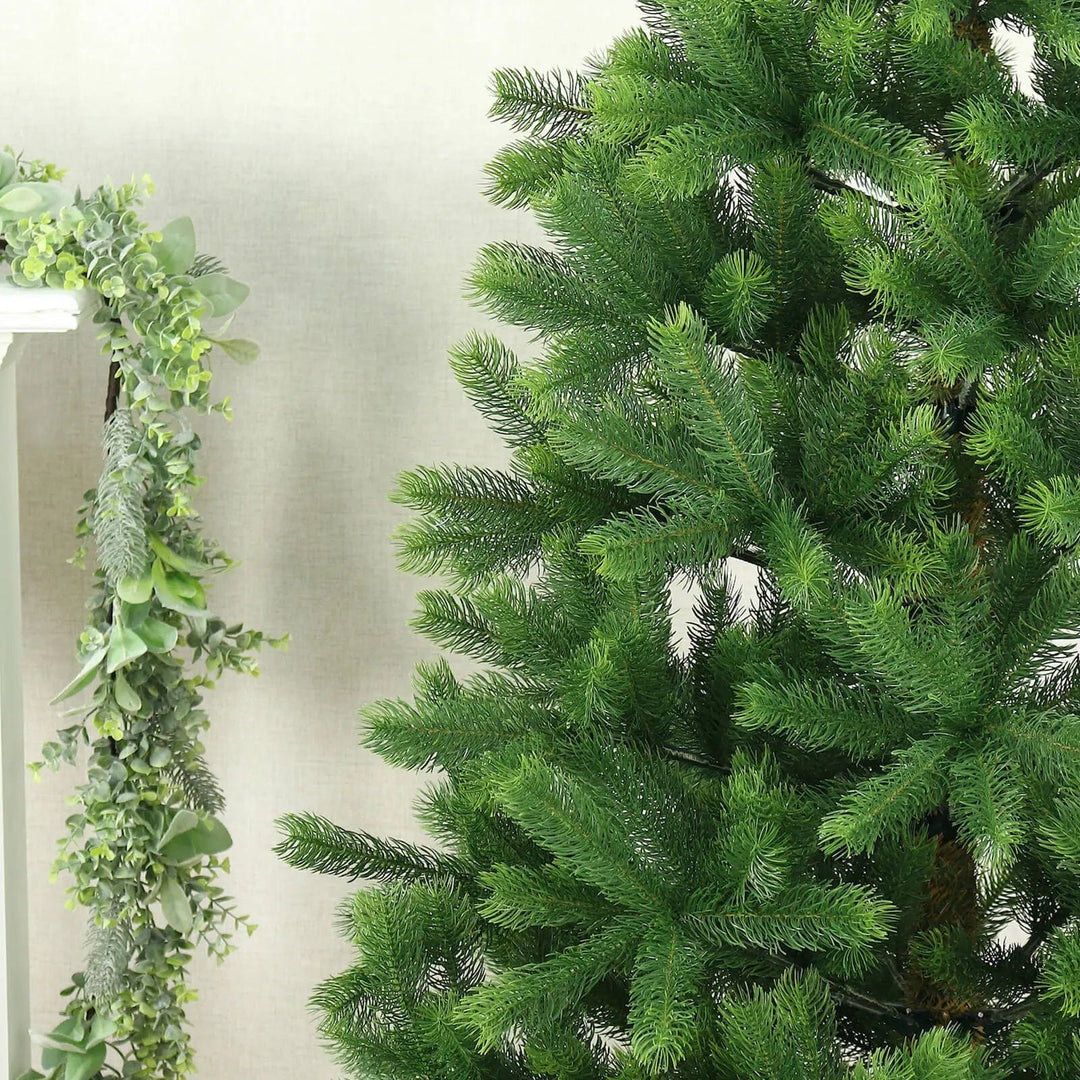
[22, 311]
[38, 311]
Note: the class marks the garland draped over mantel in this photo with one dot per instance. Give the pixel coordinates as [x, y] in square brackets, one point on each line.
[144, 848]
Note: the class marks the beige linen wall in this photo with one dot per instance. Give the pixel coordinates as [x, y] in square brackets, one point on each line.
[331, 153]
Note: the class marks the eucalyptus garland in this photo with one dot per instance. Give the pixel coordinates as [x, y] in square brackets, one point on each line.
[144, 848]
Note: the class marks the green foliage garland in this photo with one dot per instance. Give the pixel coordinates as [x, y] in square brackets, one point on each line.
[145, 846]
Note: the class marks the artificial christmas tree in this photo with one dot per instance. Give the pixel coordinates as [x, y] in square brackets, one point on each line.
[811, 303]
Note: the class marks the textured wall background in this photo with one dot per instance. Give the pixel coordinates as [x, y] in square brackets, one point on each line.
[330, 152]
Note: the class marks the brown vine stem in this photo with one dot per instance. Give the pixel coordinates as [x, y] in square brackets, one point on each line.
[112, 403]
[112, 394]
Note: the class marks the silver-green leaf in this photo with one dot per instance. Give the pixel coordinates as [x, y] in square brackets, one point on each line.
[175, 252]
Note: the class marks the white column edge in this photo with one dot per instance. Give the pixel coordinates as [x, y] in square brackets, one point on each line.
[22, 311]
[15, 967]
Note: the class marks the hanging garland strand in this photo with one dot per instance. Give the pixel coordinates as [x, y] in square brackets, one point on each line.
[145, 844]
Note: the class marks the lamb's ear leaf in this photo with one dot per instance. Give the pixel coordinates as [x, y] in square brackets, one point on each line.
[165, 587]
[8, 168]
[223, 293]
[159, 636]
[175, 905]
[171, 559]
[51, 1058]
[125, 645]
[83, 1066]
[85, 676]
[175, 251]
[125, 696]
[134, 615]
[70, 1034]
[102, 1028]
[183, 821]
[33, 199]
[239, 349]
[210, 837]
[135, 590]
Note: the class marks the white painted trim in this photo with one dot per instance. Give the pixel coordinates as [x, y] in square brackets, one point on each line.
[39, 311]
[22, 311]
[15, 970]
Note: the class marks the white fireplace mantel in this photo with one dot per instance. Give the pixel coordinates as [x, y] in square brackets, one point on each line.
[22, 311]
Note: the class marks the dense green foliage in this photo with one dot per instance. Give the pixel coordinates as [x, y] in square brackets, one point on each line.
[144, 846]
[810, 303]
